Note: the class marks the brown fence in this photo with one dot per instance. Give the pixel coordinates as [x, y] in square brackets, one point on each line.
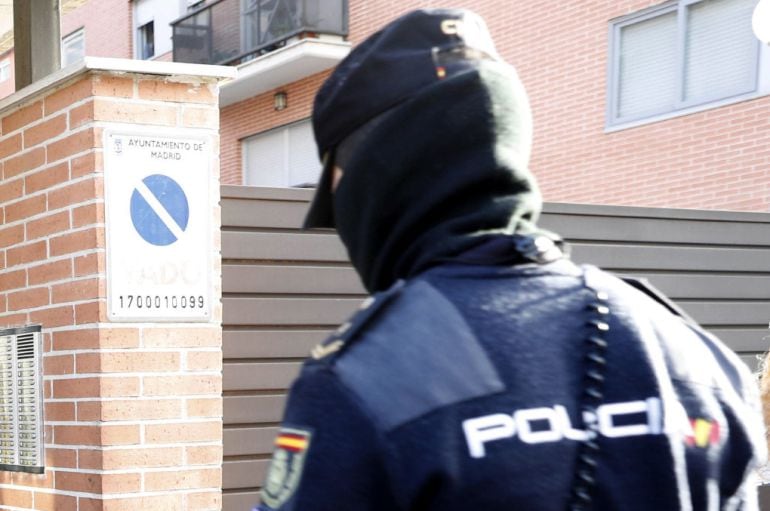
[285, 290]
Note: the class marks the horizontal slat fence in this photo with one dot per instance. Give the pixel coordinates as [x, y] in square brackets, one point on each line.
[714, 264]
[284, 290]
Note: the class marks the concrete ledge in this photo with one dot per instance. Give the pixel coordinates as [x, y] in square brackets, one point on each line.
[174, 70]
[267, 193]
[711, 215]
[295, 61]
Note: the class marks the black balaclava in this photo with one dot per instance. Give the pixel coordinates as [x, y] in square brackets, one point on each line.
[436, 133]
[437, 175]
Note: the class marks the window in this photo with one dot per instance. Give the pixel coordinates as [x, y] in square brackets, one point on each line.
[679, 56]
[152, 26]
[5, 70]
[147, 40]
[282, 157]
[73, 48]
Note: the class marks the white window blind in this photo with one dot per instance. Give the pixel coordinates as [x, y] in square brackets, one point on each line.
[73, 48]
[5, 70]
[304, 166]
[680, 55]
[720, 52]
[647, 75]
[282, 157]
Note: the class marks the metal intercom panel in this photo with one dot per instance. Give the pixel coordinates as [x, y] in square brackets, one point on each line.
[21, 400]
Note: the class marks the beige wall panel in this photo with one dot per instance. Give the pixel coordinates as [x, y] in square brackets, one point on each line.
[253, 409]
[240, 441]
[278, 279]
[287, 311]
[271, 343]
[272, 246]
[260, 375]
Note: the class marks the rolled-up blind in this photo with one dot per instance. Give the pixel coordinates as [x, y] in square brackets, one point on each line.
[720, 50]
[304, 167]
[282, 157]
[690, 54]
[648, 67]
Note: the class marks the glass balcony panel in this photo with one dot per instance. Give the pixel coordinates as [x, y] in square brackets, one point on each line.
[234, 31]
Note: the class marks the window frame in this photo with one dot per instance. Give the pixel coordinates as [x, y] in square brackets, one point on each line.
[5, 65]
[141, 40]
[147, 11]
[681, 106]
[286, 170]
[80, 33]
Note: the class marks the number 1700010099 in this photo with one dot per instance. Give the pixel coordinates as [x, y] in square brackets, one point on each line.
[161, 302]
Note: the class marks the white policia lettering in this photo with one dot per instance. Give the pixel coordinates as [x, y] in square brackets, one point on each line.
[553, 424]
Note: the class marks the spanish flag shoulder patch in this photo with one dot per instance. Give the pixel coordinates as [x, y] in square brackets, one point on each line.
[285, 472]
[293, 441]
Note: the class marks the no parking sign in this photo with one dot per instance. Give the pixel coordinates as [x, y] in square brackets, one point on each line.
[158, 224]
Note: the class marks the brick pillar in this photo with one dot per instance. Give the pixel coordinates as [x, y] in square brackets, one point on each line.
[133, 409]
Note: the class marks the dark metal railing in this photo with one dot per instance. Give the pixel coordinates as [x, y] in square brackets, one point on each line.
[235, 31]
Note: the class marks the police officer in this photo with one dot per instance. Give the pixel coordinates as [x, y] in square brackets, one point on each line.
[488, 372]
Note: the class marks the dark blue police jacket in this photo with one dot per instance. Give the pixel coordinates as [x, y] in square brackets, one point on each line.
[528, 387]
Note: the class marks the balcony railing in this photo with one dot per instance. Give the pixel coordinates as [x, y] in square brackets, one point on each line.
[234, 31]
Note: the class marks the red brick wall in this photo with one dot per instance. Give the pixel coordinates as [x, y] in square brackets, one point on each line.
[715, 159]
[133, 411]
[257, 114]
[108, 27]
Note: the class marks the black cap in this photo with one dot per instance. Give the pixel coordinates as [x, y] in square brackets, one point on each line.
[412, 53]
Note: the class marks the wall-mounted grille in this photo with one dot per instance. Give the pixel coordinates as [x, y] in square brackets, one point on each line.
[21, 400]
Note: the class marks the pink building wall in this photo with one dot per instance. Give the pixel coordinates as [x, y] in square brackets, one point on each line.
[718, 158]
[715, 159]
[8, 87]
[108, 27]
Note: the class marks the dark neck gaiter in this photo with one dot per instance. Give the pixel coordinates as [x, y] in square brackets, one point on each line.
[439, 174]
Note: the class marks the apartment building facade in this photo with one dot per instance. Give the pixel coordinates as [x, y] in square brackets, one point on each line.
[641, 103]
[612, 125]
[636, 102]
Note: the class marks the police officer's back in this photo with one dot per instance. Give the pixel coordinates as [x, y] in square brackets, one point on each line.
[488, 372]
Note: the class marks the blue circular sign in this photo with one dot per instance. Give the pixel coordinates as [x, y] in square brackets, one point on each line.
[159, 210]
